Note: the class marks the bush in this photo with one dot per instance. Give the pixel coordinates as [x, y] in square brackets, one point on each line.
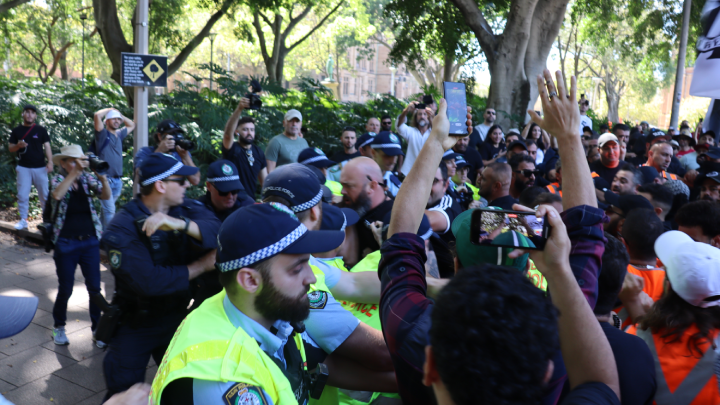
[67, 113]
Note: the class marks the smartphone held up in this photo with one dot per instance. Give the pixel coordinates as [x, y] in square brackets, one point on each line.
[514, 229]
[456, 107]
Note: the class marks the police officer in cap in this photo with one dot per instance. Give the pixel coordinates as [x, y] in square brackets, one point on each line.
[386, 150]
[225, 193]
[333, 327]
[165, 134]
[246, 345]
[156, 245]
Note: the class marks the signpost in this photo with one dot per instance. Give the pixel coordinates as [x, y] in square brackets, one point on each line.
[143, 70]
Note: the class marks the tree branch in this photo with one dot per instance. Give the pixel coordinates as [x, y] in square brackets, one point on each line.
[11, 4]
[320, 24]
[477, 22]
[267, 21]
[190, 47]
[261, 34]
[56, 58]
[380, 41]
[31, 53]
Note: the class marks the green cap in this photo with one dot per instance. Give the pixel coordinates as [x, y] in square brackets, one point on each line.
[471, 254]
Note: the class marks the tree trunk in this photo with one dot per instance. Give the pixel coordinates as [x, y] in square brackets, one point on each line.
[519, 54]
[10, 4]
[63, 66]
[613, 99]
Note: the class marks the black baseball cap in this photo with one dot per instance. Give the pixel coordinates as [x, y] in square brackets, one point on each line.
[627, 203]
[517, 143]
[275, 230]
[30, 107]
[713, 152]
[168, 127]
[712, 175]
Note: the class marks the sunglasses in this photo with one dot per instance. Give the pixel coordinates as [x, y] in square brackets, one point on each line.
[226, 193]
[586, 138]
[490, 112]
[528, 172]
[381, 183]
[181, 181]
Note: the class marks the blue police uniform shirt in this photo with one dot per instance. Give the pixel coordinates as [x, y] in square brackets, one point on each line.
[392, 182]
[146, 151]
[332, 273]
[135, 267]
[211, 392]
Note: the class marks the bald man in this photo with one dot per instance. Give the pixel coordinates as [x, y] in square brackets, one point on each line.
[363, 190]
[373, 125]
[495, 185]
[660, 156]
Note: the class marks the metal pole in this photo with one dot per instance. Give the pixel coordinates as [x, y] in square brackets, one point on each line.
[392, 80]
[212, 36]
[680, 73]
[141, 94]
[83, 17]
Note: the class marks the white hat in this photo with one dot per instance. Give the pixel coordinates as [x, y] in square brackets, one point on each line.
[69, 151]
[693, 268]
[293, 114]
[113, 114]
[513, 131]
[605, 138]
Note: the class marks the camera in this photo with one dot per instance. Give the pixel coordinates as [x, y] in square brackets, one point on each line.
[183, 142]
[420, 106]
[255, 88]
[97, 165]
[427, 99]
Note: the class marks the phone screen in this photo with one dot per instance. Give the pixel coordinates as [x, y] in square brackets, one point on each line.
[514, 229]
[457, 107]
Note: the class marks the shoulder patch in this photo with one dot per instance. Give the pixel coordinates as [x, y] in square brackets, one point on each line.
[115, 258]
[318, 299]
[244, 394]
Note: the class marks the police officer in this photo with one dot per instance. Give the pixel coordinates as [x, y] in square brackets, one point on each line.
[386, 150]
[225, 192]
[156, 244]
[246, 345]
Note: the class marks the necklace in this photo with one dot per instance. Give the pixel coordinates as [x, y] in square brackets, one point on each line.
[250, 157]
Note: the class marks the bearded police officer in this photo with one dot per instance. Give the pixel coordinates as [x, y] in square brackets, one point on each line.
[246, 345]
[156, 244]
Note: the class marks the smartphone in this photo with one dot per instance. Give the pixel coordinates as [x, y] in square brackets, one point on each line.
[456, 107]
[513, 229]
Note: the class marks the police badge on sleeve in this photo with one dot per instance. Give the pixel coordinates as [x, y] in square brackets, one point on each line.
[318, 299]
[115, 258]
[244, 394]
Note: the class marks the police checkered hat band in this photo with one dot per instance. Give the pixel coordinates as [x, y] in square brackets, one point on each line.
[386, 146]
[163, 175]
[264, 253]
[309, 204]
[314, 159]
[344, 225]
[220, 179]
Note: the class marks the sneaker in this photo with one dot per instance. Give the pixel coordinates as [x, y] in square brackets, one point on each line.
[59, 336]
[99, 343]
[21, 225]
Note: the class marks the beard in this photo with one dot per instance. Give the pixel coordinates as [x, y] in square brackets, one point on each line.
[274, 305]
[422, 123]
[520, 186]
[362, 205]
[245, 141]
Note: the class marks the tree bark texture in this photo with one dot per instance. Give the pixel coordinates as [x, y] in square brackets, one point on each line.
[10, 4]
[519, 54]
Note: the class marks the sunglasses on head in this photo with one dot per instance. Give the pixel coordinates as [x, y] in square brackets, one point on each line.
[225, 194]
[180, 181]
[528, 172]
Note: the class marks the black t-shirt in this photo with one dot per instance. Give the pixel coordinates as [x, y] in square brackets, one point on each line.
[33, 156]
[365, 235]
[341, 156]
[605, 173]
[592, 393]
[505, 202]
[248, 173]
[242, 201]
[472, 156]
[78, 217]
[450, 207]
[475, 141]
[635, 364]
[488, 151]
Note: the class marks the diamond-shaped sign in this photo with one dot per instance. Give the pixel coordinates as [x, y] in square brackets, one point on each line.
[153, 70]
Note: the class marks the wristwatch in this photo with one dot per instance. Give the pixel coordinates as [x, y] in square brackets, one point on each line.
[187, 223]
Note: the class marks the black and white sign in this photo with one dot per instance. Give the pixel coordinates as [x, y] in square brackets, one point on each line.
[143, 70]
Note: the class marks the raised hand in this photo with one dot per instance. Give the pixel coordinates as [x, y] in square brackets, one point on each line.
[561, 114]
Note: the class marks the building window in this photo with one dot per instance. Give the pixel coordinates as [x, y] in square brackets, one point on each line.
[372, 64]
[370, 85]
[346, 84]
[363, 64]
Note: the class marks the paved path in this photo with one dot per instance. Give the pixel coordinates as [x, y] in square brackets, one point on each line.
[33, 370]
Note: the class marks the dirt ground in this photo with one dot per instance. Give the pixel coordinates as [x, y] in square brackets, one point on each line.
[12, 215]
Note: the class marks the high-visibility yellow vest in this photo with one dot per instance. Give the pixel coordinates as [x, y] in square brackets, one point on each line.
[330, 394]
[207, 346]
[334, 186]
[476, 191]
[536, 277]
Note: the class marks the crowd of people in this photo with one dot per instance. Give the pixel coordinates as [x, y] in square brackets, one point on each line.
[365, 278]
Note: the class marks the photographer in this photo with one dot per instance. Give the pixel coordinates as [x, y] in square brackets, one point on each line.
[76, 232]
[247, 157]
[166, 134]
[414, 134]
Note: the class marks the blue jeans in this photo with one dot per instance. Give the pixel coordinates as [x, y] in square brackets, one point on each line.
[108, 206]
[68, 254]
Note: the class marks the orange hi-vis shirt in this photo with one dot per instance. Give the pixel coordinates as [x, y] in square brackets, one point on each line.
[554, 188]
[654, 278]
[683, 377]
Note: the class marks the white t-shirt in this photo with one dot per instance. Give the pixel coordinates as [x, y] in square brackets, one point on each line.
[483, 130]
[415, 141]
[585, 121]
